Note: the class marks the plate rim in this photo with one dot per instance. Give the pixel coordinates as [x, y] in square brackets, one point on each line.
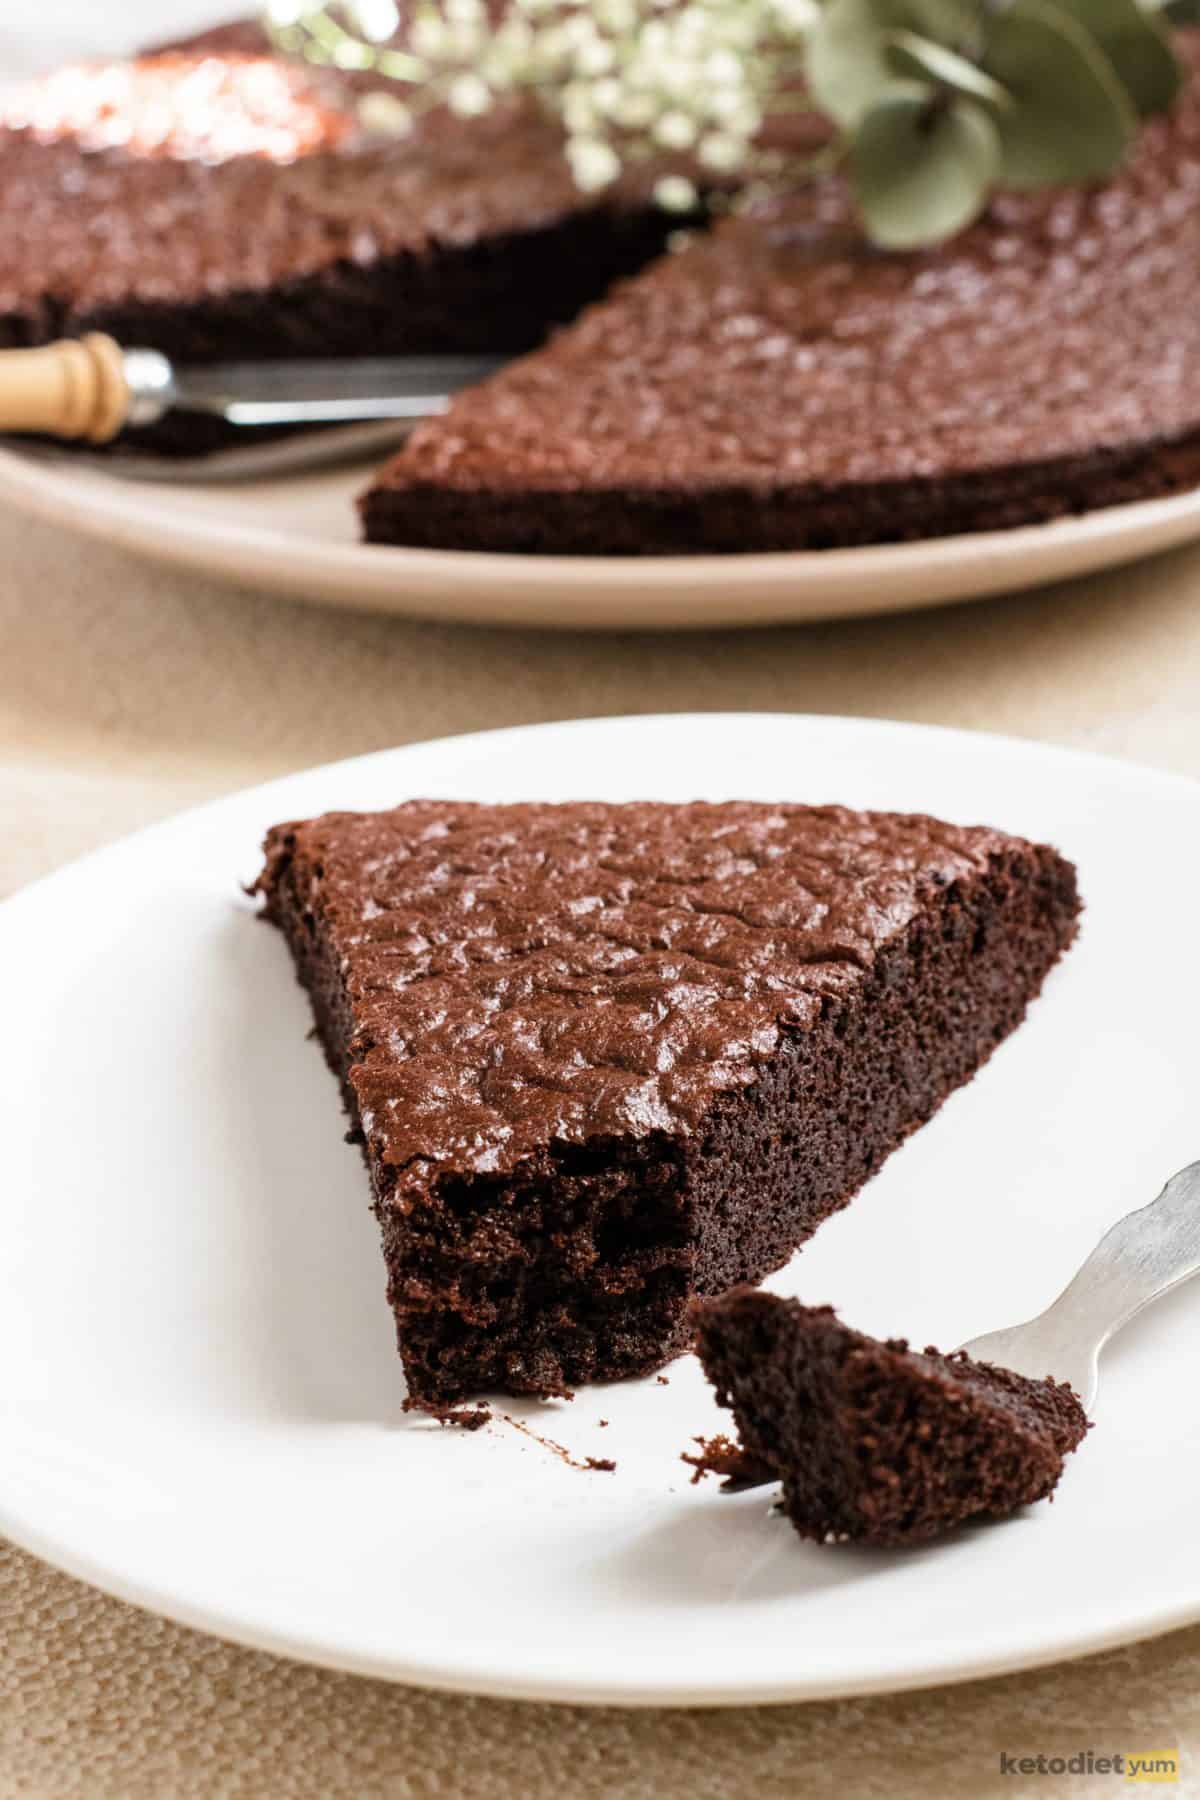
[939, 1662]
[939, 1668]
[521, 590]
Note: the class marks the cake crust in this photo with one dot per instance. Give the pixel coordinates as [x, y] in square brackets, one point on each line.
[603, 1058]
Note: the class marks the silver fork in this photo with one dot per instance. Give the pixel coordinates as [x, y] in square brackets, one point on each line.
[1142, 1257]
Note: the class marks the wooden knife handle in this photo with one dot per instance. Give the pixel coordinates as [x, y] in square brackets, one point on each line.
[75, 388]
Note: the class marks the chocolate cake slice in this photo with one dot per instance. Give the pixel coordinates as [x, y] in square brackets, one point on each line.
[215, 203]
[781, 385]
[605, 1058]
[873, 1441]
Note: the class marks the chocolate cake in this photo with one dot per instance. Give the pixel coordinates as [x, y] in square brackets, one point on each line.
[781, 385]
[605, 1058]
[214, 203]
[873, 1441]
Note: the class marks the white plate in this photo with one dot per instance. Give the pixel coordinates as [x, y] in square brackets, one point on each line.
[201, 1406]
[297, 536]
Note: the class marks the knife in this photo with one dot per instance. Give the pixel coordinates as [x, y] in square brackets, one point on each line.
[91, 388]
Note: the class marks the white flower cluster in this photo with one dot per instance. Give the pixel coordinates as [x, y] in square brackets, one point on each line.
[628, 78]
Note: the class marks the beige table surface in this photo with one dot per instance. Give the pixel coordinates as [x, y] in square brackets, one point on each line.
[126, 694]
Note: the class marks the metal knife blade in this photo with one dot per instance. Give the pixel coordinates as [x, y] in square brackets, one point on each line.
[311, 393]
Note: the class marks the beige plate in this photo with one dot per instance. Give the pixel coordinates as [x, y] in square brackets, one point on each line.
[295, 536]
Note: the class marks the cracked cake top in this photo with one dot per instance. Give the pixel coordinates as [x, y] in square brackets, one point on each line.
[534, 974]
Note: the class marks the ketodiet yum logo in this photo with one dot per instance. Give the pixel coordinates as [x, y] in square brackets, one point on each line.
[1124, 1765]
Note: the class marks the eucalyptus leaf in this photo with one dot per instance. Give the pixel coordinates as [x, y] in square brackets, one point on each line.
[926, 60]
[922, 169]
[847, 65]
[849, 61]
[1137, 46]
[1071, 120]
[950, 22]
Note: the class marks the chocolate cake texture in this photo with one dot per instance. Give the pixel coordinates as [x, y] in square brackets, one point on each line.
[874, 1442]
[782, 385]
[604, 1058]
[778, 384]
[217, 203]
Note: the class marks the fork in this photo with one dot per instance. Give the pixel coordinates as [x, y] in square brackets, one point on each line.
[1142, 1257]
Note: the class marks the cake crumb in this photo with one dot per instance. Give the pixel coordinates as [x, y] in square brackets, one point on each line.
[603, 1422]
[467, 1418]
[721, 1455]
[603, 1464]
[662, 1381]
